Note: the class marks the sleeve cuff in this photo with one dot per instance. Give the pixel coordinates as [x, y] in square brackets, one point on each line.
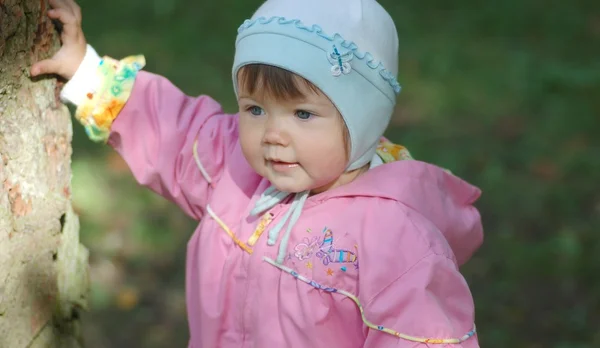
[85, 80]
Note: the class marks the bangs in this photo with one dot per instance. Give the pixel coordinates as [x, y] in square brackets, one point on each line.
[273, 82]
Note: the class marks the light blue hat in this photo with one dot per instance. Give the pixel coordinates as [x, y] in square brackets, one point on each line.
[348, 49]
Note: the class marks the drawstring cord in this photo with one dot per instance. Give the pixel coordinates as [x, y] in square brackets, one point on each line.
[271, 197]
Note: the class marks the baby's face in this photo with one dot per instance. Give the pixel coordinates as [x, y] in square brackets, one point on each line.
[297, 145]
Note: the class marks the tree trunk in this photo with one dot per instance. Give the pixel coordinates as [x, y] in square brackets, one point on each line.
[43, 268]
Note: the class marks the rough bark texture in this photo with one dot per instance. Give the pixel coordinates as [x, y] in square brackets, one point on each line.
[43, 268]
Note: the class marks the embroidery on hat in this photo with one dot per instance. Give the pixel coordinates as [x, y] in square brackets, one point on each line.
[340, 62]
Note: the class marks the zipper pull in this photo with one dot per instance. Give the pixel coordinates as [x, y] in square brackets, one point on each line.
[266, 219]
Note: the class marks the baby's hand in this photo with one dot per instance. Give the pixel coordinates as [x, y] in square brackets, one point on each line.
[68, 58]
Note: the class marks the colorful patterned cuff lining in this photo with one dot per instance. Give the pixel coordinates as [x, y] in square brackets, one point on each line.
[100, 109]
[362, 313]
[390, 152]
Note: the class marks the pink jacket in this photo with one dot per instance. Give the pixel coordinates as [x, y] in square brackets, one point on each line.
[370, 264]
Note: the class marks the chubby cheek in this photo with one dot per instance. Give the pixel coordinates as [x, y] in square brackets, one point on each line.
[325, 163]
[250, 144]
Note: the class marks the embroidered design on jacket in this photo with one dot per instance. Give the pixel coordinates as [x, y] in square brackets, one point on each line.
[329, 254]
[305, 249]
[325, 250]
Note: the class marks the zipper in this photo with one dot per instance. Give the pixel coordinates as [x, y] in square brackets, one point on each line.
[264, 222]
[266, 219]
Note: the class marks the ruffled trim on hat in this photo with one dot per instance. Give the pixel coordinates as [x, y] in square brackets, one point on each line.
[349, 45]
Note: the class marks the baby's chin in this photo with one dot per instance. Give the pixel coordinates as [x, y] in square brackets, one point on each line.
[296, 187]
[283, 186]
[297, 181]
[290, 184]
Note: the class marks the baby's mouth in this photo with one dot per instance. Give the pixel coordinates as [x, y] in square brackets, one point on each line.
[283, 166]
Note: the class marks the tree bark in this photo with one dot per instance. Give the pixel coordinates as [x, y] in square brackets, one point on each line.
[43, 267]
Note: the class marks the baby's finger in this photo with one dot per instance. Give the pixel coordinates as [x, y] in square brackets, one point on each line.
[74, 8]
[47, 66]
[65, 16]
[59, 4]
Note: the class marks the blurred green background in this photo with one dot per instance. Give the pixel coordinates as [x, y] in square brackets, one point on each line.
[503, 93]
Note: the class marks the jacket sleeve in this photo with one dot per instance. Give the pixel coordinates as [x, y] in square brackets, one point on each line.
[430, 302]
[158, 132]
[176, 145]
[411, 291]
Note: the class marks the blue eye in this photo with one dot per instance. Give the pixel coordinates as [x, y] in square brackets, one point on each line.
[303, 115]
[255, 110]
